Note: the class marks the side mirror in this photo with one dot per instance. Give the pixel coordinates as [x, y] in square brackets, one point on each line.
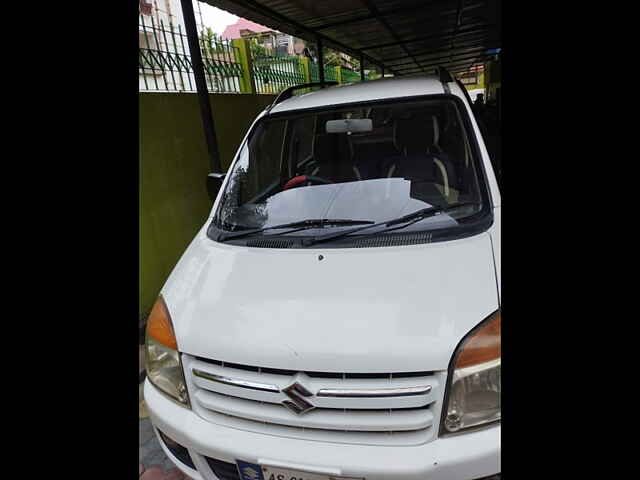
[214, 182]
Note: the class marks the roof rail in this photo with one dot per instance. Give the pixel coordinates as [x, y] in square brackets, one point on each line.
[444, 75]
[288, 92]
[445, 78]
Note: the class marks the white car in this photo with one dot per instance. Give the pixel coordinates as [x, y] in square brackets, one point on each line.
[338, 314]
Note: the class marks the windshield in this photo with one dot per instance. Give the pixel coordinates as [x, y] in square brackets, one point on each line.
[363, 163]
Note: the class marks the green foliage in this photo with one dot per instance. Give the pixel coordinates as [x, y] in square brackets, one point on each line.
[211, 42]
[332, 59]
[257, 50]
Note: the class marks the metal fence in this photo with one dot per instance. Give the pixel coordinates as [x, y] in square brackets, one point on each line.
[164, 62]
[275, 73]
[349, 76]
[329, 72]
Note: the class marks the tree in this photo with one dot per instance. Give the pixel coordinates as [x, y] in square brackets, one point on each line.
[331, 57]
[211, 42]
[257, 50]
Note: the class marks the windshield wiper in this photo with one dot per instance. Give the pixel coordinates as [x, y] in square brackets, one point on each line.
[301, 225]
[427, 212]
[408, 219]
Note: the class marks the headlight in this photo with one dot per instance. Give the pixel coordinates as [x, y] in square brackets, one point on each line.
[164, 368]
[474, 383]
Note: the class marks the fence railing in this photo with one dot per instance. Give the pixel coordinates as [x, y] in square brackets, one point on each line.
[349, 76]
[273, 74]
[230, 66]
[330, 73]
[164, 60]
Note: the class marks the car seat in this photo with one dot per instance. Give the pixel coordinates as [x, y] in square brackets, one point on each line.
[418, 145]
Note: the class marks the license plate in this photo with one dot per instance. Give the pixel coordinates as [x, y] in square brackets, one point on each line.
[253, 471]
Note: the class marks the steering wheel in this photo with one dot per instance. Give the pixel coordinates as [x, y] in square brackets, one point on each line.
[300, 179]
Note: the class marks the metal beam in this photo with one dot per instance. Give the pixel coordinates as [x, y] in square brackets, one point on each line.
[439, 61]
[448, 65]
[474, 29]
[397, 11]
[458, 22]
[456, 66]
[475, 50]
[201, 85]
[440, 48]
[374, 11]
[320, 60]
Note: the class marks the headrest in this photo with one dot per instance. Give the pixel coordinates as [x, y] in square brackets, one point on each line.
[416, 134]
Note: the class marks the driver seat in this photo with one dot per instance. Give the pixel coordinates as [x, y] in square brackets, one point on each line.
[329, 154]
[323, 151]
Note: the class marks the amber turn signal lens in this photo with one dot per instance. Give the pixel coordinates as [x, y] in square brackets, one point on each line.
[159, 325]
[483, 345]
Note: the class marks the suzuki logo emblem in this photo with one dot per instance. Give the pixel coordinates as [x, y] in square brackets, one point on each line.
[297, 402]
[251, 473]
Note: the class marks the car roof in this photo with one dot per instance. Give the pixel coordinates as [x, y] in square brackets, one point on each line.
[386, 88]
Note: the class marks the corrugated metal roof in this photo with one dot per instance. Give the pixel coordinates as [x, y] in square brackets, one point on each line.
[406, 36]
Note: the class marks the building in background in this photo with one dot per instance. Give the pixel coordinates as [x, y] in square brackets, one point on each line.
[473, 80]
[275, 43]
[271, 43]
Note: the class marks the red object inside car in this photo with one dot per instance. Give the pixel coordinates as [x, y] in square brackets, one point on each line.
[295, 181]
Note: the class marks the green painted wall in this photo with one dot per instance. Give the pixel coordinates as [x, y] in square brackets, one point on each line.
[173, 164]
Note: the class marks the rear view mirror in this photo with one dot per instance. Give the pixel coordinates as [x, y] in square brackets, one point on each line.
[350, 125]
[214, 182]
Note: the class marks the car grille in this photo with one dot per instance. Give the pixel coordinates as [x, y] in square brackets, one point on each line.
[400, 408]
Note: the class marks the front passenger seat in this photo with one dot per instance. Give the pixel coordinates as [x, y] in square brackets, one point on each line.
[417, 139]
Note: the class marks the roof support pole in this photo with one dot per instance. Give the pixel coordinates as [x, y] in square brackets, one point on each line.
[361, 67]
[201, 86]
[320, 60]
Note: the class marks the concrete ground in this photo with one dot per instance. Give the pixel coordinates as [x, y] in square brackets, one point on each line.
[154, 464]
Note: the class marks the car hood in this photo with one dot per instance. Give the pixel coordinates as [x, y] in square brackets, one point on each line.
[389, 309]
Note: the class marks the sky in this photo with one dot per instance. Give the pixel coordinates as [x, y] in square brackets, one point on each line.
[214, 17]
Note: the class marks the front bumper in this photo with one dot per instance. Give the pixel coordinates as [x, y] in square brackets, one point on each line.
[466, 456]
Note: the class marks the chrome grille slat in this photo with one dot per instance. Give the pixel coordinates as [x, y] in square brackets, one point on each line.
[413, 437]
[328, 419]
[360, 406]
[264, 387]
[373, 393]
[343, 375]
